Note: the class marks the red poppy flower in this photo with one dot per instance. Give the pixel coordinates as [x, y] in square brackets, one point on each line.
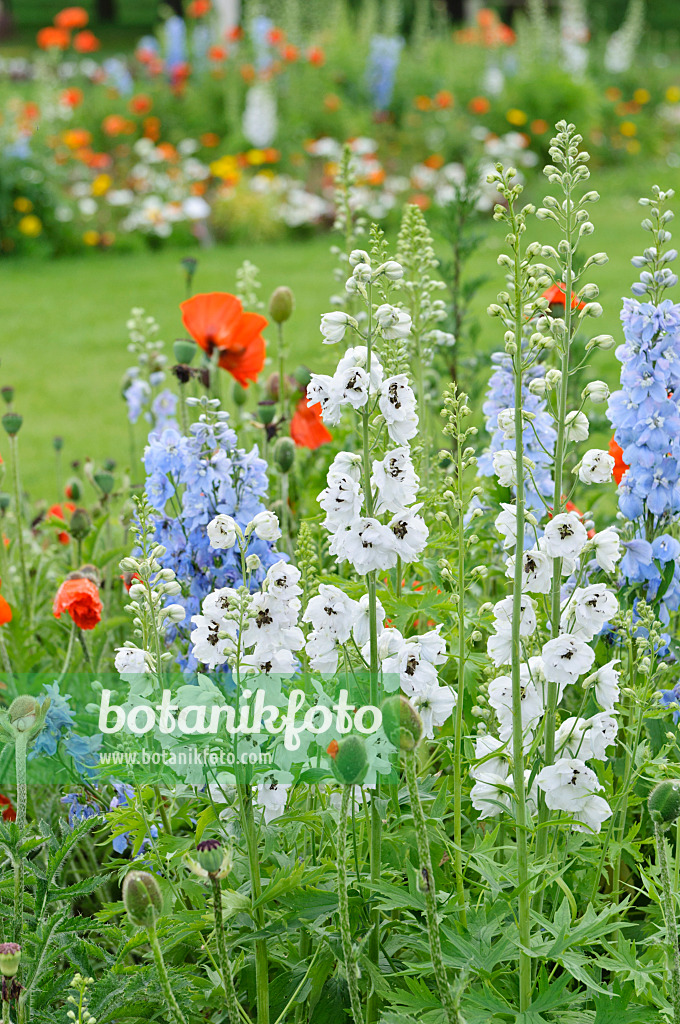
[72, 97]
[5, 612]
[80, 598]
[86, 42]
[316, 56]
[620, 466]
[140, 104]
[217, 53]
[58, 513]
[72, 18]
[556, 296]
[8, 814]
[332, 749]
[50, 37]
[234, 34]
[198, 8]
[307, 428]
[290, 53]
[216, 321]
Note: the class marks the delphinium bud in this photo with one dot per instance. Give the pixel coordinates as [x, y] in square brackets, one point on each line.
[142, 898]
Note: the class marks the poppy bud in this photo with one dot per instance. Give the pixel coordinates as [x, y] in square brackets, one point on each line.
[239, 394]
[184, 349]
[81, 524]
[142, 898]
[104, 481]
[266, 412]
[211, 860]
[10, 957]
[281, 305]
[402, 724]
[74, 489]
[664, 802]
[7, 393]
[284, 454]
[23, 713]
[302, 376]
[4, 502]
[350, 761]
[12, 421]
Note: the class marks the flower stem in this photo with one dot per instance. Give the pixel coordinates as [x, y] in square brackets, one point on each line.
[426, 875]
[227, 977]
[14, 447]
[5, 1012]
[670, 919]
[458, 730]
[20, 747]
[351, 967]
[261, 956]
[164, 979]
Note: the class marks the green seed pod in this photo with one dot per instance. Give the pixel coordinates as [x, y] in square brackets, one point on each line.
[402, 724]
[184, 350]
[10, 958]
[281, 305]
[5, 500]
[80, 524]
[7, 393]
[266, 411]
[104, 481]
[142, 898]
[12, 421]
[239, 394]
[57, 443]
[664, 802]
[284, 454]
[350, 761]
[302, 376]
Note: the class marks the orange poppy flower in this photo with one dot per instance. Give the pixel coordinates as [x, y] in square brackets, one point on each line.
[80, 598]
[316, 56]
[234, 34]
[5, 612]
[50, 37]
[479, 105]
[307, 428]
[140, 104]
[72, 97]
[290, 53]
[444, 99]
[72, 18]
[86, 42]
[556, 296]
[217, 53]
[620, 467]
[198, 8]
[216, 321]
[57, 511]
[8, 814]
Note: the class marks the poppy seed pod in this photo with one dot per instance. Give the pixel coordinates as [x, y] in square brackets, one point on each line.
[211, 860]
[12, 421]
[266, 411]
[142, 898]
[80, 524]
[281, 305]
[57, 443]
[664, 802]
[350, 761]
[7, 393]
[402, 724]
[4, 501]
[239, 394]
[303, 376]
[284, 454]
[10, 958]
[184, 350]
[104, 481]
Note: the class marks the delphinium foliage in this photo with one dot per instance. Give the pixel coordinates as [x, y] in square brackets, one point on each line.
[391, 748]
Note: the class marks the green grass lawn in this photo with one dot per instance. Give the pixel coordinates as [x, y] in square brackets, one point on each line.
[64, 336]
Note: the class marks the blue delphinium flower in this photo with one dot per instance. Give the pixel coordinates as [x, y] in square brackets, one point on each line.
[85, 752]
[539, 434]
[59, 718]
[381, 70]
[77, 811]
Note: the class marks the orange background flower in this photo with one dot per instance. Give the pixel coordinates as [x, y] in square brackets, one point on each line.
[216, 320]
[80, 598]
[307, 428]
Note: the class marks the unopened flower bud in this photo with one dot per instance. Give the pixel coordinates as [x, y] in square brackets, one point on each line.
[402, 724]
[104, 481]
[281, 305]
[664, 802]
[23, 713]
[284, 454]
[239, 394]
[142, 898]
[350, 760]
[597, 391]
[80, 524]
[211, 860]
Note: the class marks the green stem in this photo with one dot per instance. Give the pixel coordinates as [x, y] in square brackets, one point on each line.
[6, 1019]
[225, 966]
[261, 955]
[670, 919]
[163, 811]
[14, 448]
[282, 374]
[351, 967]
[163, 977]
[426, 876]
[458, 731]
[69, 651]
[524, 899]
[20, 748]
[4, 656]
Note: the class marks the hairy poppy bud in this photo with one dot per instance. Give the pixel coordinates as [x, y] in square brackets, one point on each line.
[284, 454]
[23, 713]
[12, 421]
[350, 761]
[7, 393]
[184, 349]
[402, 724]
[80, 524]
[281, 305]
[142, 898]
[10, 957]
[664, 802]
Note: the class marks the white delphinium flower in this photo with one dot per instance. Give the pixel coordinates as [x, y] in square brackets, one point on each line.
[398, 405]
[352, 383]
[271, 796]
[217, 604]
[341, 501]
[505, 467]
[332, 612]
[588, 609]
[500, 699]
[207, 646]
[506, 422]
[596, 467]
[265, 525]
[410, 661]
[395, 480]
[273, 622]
[491, 753]
[499, 644]
[570, 785]
[334, 325]
[490, 795]
[268, 660]
[587, 737]
[358, 356]
[131, 662]
[577, 427]
[222, 532]
[361, 627]
[565, 536]
[394, 323]
[282, 581]
[506, 525]
[345, 464]
[409, 533]
[607, 687]
[565, 658]
[324, 391]
[597, 391]
[434, 704]
[607, 549]
[367, 544]
[322, 651]
[537, 571]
